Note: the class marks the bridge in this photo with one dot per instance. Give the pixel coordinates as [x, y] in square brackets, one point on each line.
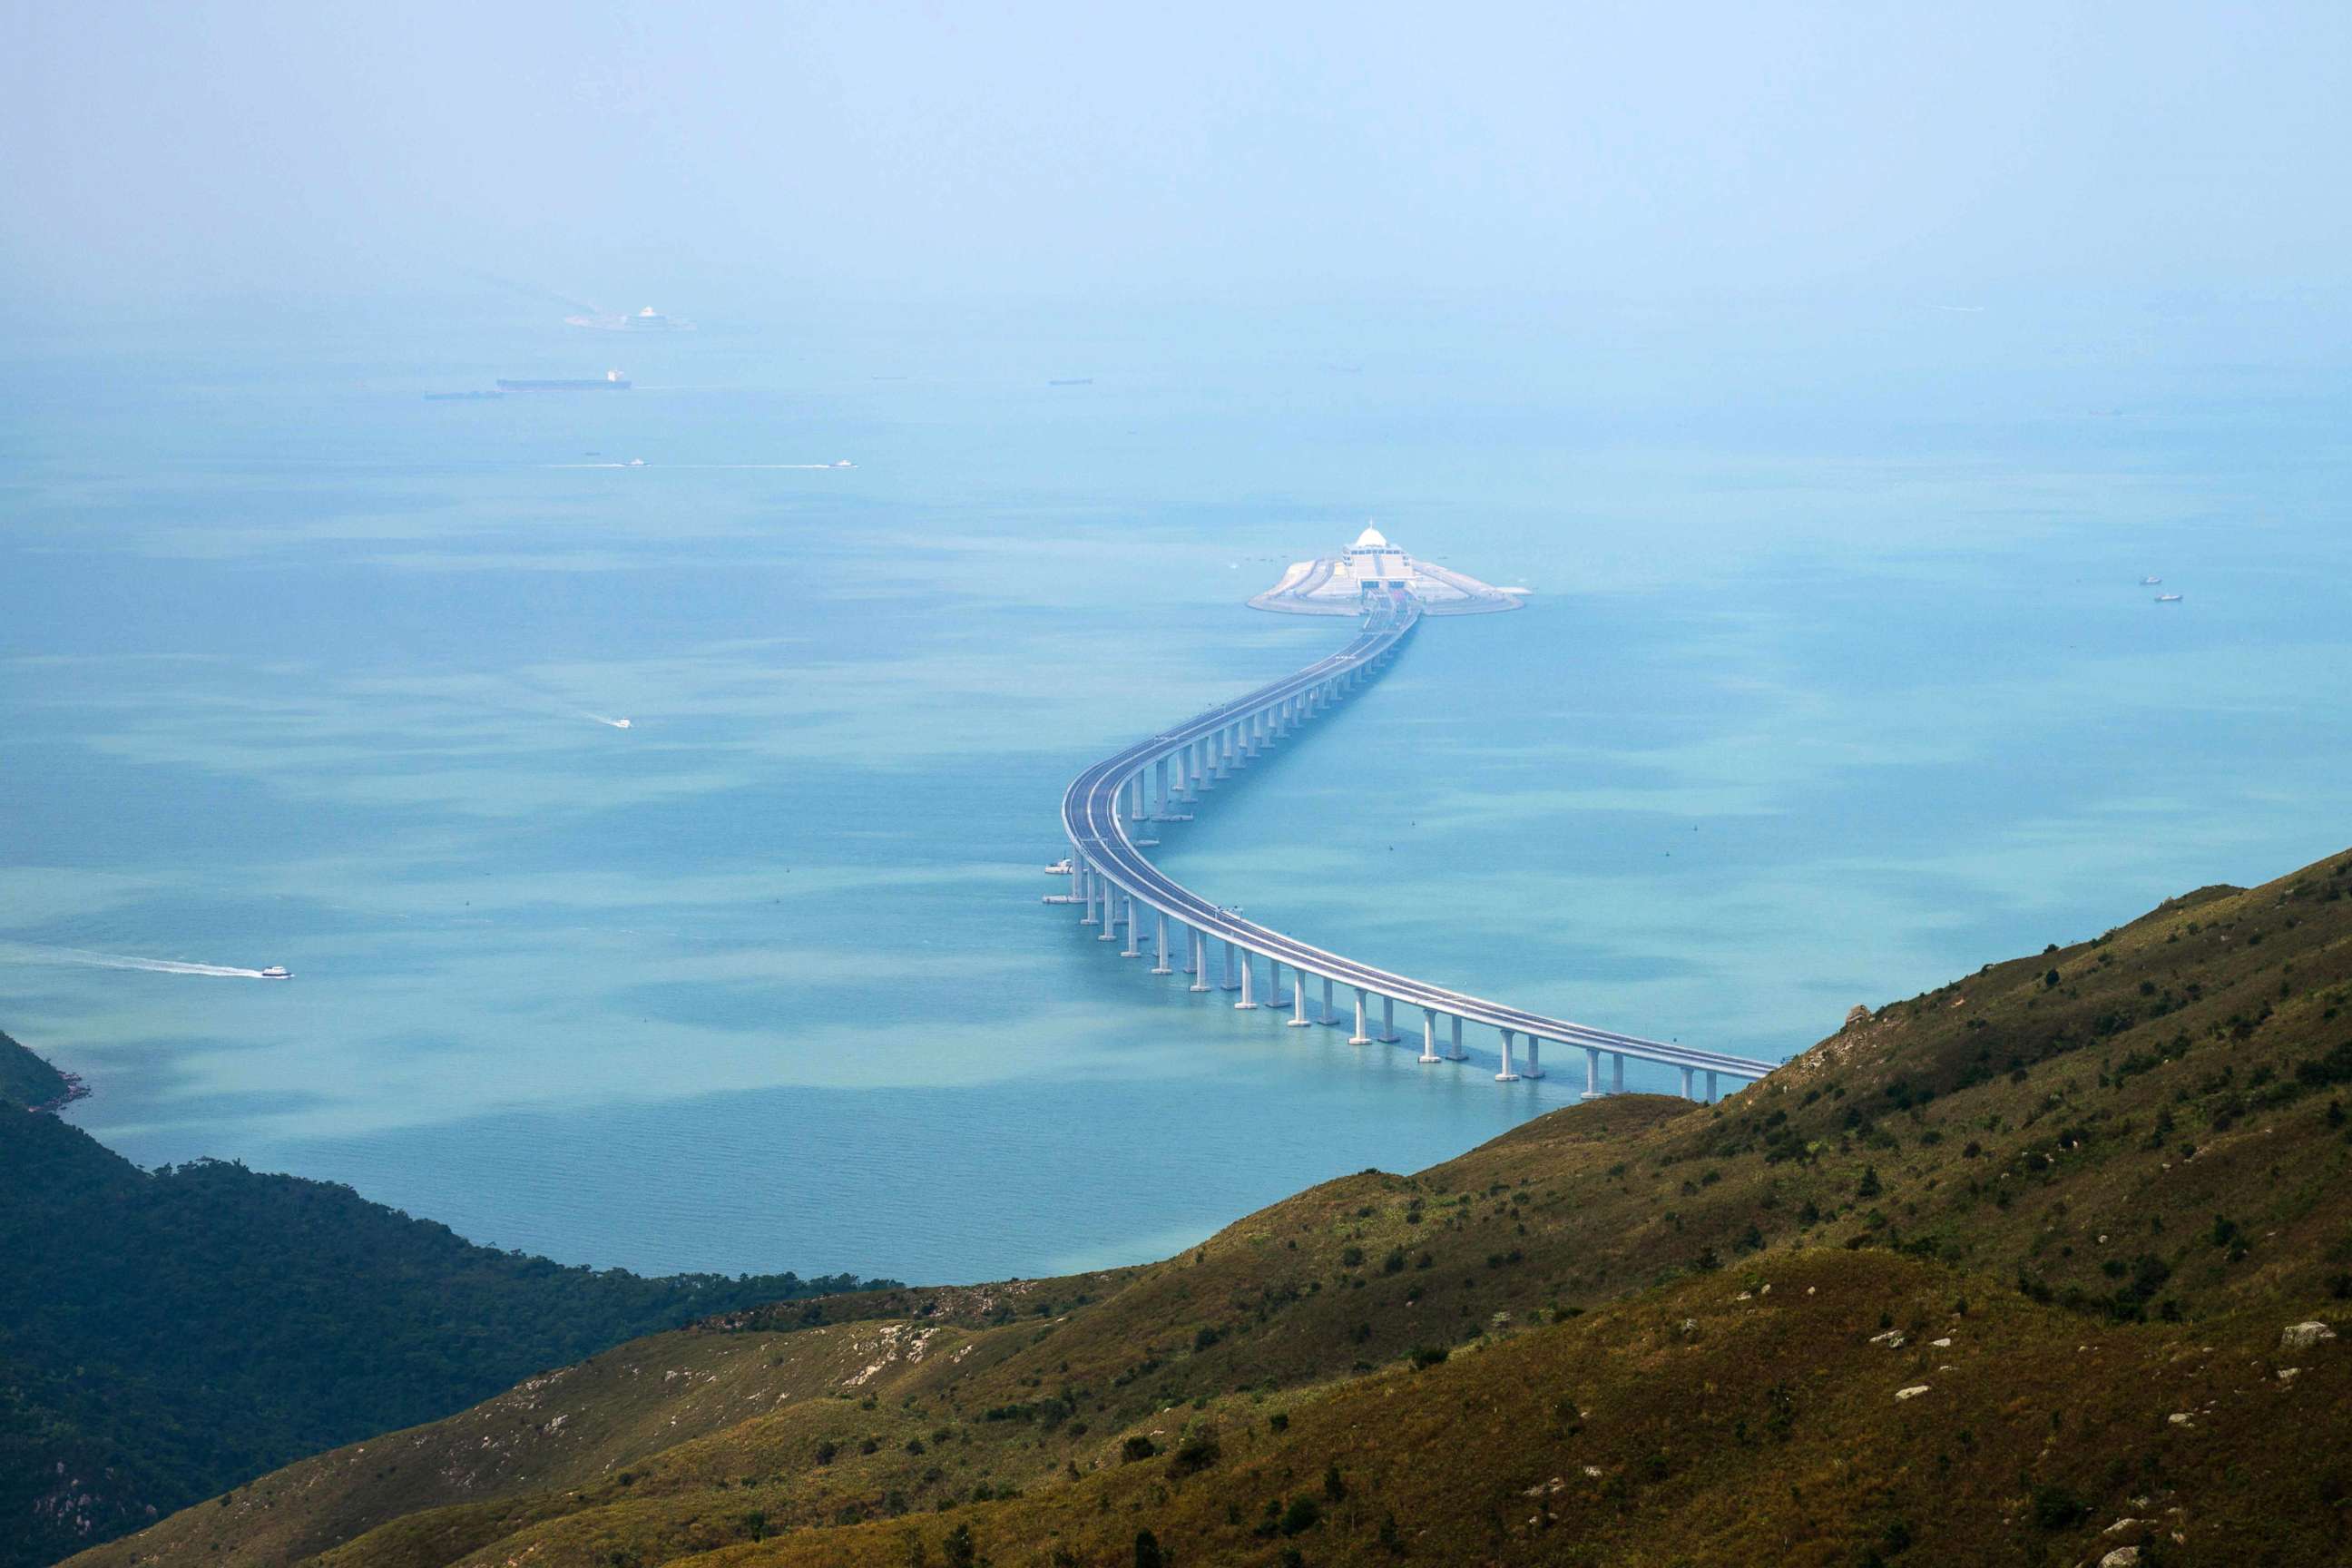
[1120, 889]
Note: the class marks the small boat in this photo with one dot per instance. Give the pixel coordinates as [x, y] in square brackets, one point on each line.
[2168, 598]
[2149, 582]
[845, 463]
[277, 972]
[1059, 868]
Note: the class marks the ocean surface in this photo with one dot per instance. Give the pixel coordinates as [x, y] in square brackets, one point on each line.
[1837, 679]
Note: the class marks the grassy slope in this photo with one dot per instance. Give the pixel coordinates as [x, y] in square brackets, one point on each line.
[2027, 1165]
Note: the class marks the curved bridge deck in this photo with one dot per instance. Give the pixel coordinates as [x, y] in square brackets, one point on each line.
[1111, 876]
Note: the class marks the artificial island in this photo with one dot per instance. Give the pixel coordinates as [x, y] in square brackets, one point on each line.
[1374, 568]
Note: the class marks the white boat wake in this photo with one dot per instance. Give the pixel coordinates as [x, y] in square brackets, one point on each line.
[33, 952]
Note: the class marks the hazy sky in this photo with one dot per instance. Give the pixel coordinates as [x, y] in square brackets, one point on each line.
[1203, 150]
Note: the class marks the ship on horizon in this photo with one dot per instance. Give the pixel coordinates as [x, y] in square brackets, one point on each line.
[611, 381]
[645, 320]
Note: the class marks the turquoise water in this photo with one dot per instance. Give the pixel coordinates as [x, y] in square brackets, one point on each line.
[1837, 682]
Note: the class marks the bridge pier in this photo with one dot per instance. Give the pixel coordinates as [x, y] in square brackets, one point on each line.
[1110, 913]
[1507, 1075]
[1387, 1021]
[1299, 1018]
[1328, 1019]
[1160, 778]
[1457, 1054]
[1248, 1003]
[1686, 1083]
[1197, 965]
[1429, 1036]
[1535, 1058]
[1134, 948]
[1591, 1072]
[1710, 1089]
[1360, 1037]
[1617, 1073]
[1229, 983]
[1159, 948]
[1085, 890]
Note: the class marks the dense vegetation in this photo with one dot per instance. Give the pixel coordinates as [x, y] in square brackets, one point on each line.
[26, 1080]
[2042, 1266]
[165, 1334]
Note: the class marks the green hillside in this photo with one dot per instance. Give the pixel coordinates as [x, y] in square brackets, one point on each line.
[2040, 1267]
[27, 1080]
[165, 1335]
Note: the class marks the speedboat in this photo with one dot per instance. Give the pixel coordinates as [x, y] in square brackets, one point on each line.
[1059, 868]
[277, 972]
[2149, 582]
[2168, 598]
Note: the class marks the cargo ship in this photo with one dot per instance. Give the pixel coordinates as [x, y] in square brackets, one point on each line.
[611, 381]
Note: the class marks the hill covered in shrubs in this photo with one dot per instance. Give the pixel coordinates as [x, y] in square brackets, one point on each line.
[2047, 1266]
[165, 1334]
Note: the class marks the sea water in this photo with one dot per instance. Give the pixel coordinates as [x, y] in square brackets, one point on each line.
[1837, 679]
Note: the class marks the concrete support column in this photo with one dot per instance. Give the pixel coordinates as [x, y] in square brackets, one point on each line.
[1248, 1003]
[1299, 1018]
[1535, 1058]
[1110, 914]
[1159, 948]
[1160, 778]
[1387, 1021]
[1230, 982]
[1197, 965]
[1429, 1036]
[1507, 1075]
[1457, 1054]
[1686, 1083]
[1617, 1073]
[1328, 1018]
[1085, 890]
[1710, 1089]
[1360, 1037]
[1591, 1072]
[1134, 948]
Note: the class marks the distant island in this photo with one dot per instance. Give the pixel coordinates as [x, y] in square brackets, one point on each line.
[2052, 1264]
[166, 1334]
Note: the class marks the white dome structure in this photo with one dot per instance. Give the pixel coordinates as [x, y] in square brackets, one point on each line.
[1371, 539]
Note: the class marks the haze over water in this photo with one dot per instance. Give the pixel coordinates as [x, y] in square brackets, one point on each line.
[1837, 682]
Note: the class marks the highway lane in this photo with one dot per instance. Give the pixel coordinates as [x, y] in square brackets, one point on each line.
[1096, 828]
